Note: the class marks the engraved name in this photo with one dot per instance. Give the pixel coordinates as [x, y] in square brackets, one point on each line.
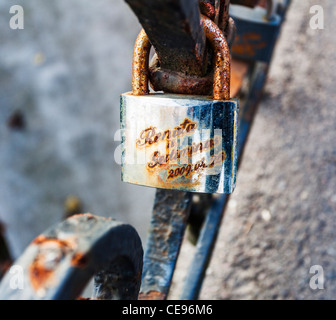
[150, 135]
[176, 154]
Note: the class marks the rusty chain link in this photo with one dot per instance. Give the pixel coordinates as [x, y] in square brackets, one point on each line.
[163, 79]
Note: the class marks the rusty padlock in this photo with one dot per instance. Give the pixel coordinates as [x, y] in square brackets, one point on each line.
[176, 141]
[257, 31]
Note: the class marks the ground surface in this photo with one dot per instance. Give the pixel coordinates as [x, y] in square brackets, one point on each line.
[65, 72]
[281, 220]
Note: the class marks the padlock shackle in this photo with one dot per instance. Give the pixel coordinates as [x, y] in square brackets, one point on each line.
[140, 64]
[222, 61]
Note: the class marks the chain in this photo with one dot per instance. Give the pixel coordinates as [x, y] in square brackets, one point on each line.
[178, 82]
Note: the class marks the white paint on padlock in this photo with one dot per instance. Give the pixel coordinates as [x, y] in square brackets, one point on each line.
[178, 141]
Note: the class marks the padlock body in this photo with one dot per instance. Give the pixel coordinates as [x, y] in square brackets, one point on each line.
[179, 142]
[255, 36]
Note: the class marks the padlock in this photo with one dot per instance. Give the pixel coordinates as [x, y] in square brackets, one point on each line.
[176, 141]
[257, 31]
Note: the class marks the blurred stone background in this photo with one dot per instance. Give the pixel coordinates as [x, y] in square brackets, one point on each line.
[63, 74]
[60, 80]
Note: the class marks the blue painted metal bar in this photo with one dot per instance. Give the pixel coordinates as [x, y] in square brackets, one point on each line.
[59, 263]
[169, 220]
[204, 250]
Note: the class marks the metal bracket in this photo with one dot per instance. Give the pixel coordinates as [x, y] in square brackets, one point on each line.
[59, 263]
[174, 29]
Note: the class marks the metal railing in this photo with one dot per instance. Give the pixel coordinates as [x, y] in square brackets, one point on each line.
[59, 263]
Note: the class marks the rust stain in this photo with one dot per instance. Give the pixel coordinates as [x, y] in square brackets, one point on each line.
[222, 60]
[186, 154]
[158, 180]
[51, 252]
[208, 10]
[40, 277]
[224, 16]
[186, 176]
[178, 82]
[152, 295]
[162, 167]
[43, 240]
[140, 64]
[248, 44]
[79, 260]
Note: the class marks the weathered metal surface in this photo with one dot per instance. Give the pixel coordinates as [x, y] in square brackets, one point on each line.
[175, 32]
[188, 142]
[217, 11]
[170, 215]
[177, 81]
[256, 35]
[59, 263]
[222, 61]
[211, 9]
[180, 83]
[224, 17]
[140, 64]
